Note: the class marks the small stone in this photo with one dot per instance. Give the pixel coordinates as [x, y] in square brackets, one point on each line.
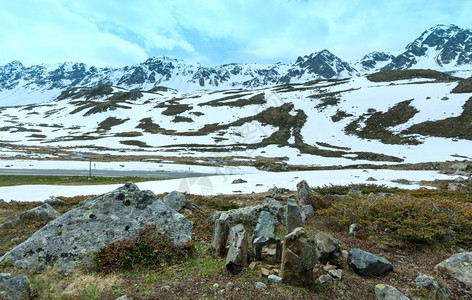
[274, 271]
[229, 286]
[323, 279]
[239, 180]
[124, 297]
[388, 292]
[326, 247]
[252, 265]
[371, 179]
[368, 264]
[329, 267]
[265, 272]
[260, 285]
[430, 283]
[274, 279]
[338, 273]
[353, 229]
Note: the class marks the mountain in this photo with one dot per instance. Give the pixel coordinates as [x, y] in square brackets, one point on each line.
[445, 48]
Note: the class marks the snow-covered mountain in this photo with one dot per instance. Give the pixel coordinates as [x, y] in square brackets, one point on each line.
[445, 48]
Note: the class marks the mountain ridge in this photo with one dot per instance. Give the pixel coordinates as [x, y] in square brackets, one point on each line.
[442, 47]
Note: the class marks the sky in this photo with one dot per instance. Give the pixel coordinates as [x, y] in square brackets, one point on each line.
[212, 32]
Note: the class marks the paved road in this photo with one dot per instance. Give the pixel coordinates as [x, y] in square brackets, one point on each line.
[103, 173]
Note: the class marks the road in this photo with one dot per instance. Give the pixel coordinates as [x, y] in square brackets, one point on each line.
[101, 173]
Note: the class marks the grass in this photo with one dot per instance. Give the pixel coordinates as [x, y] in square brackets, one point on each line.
[388, 229]
[11, 180]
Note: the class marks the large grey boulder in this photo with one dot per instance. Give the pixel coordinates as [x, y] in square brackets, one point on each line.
[177, 201]
[458, 266]
[14, 286]
[236, 260]
[388, 292]
[326, 247]
[71, 240]
[220, 235]
[428, 282]
[265, 225]
[298, 258]
[250, 214]
[368, 264]
[294, 217]
[304, 192]
[43, 212]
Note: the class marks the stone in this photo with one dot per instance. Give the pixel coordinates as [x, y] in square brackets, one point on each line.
[177, 201]
[326, 247]
[229, 286]
[304, 191]
[354, 191]
[371, 179]
[2, 202]
[265, 225]
[14, 286]
[70, 241]
[265, 272]
[53, 201]
[298, 258]
[124, 297]
[220, 235]
[323, 279]
[43, 212]
[459, 266]
[253, 265]
[238, 181]
[428, 282]
[236, 260]
[368, 264]
[250, 214]
[388, 292]
[264, 241]
[338, 273]
[307, 211]
[353, 229]
[260, 285]
[274, 279]
[294, 217]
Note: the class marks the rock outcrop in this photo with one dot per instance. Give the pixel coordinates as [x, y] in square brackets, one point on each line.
[71, 240]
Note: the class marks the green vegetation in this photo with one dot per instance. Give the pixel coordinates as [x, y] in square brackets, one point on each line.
[464, 86]
[137, 143]
[108, 123]
[395, 75]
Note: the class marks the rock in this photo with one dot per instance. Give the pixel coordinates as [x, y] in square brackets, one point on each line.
[264, 241]
[353, 229]
[177, 201]
[229, 286]
[388, 292]
[274, 279]
[260, 285]
[304, 192]
[236, 260]
[307, 211]
[354, 191]
[294, 217]
[430, 283]
[323, 279]
[220, 235]
[43, 212]
[239, 180]
[338, 273]
[298, 258]
[53, 201]
[14, 286]
[250, 214]
[326, 247]
[71, 240]
[265, 225]
[265, 272]
[275, 208]
[253, 265]
[371, 179]
[368, 264]
[457, 187]
[459, 266]
[124, 297]
[2, 201]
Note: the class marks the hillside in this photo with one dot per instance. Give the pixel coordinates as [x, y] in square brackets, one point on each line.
[386, 118]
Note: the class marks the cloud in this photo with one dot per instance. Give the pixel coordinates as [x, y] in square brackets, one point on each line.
[213, 31]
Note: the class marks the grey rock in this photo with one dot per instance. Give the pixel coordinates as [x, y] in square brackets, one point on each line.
[238, 181]
[459, 266]
[260, 285]
[177, 201]
[262, 241]
[53, 201]
[323, 279]
[275, 208]
[326, 247]
[371, 179]
[337, 273]
[43, 212]
[14, 286]
[298, 258]
[220, 235]
[368, 264]
[236, 260]
[307, 211]
[428, 282]
[294, 216]
[124, 297]
[388, 292]
[2, 201]
[355, 191]
[304, 192]
[70, 241]
[274, 279]
[265, 225]
[250, 214]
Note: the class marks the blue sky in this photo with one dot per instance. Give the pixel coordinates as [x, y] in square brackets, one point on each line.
[118, 33]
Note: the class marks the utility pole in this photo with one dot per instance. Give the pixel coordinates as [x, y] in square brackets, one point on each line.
[90, 168]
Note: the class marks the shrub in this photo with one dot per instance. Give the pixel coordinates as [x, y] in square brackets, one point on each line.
[150, 249]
